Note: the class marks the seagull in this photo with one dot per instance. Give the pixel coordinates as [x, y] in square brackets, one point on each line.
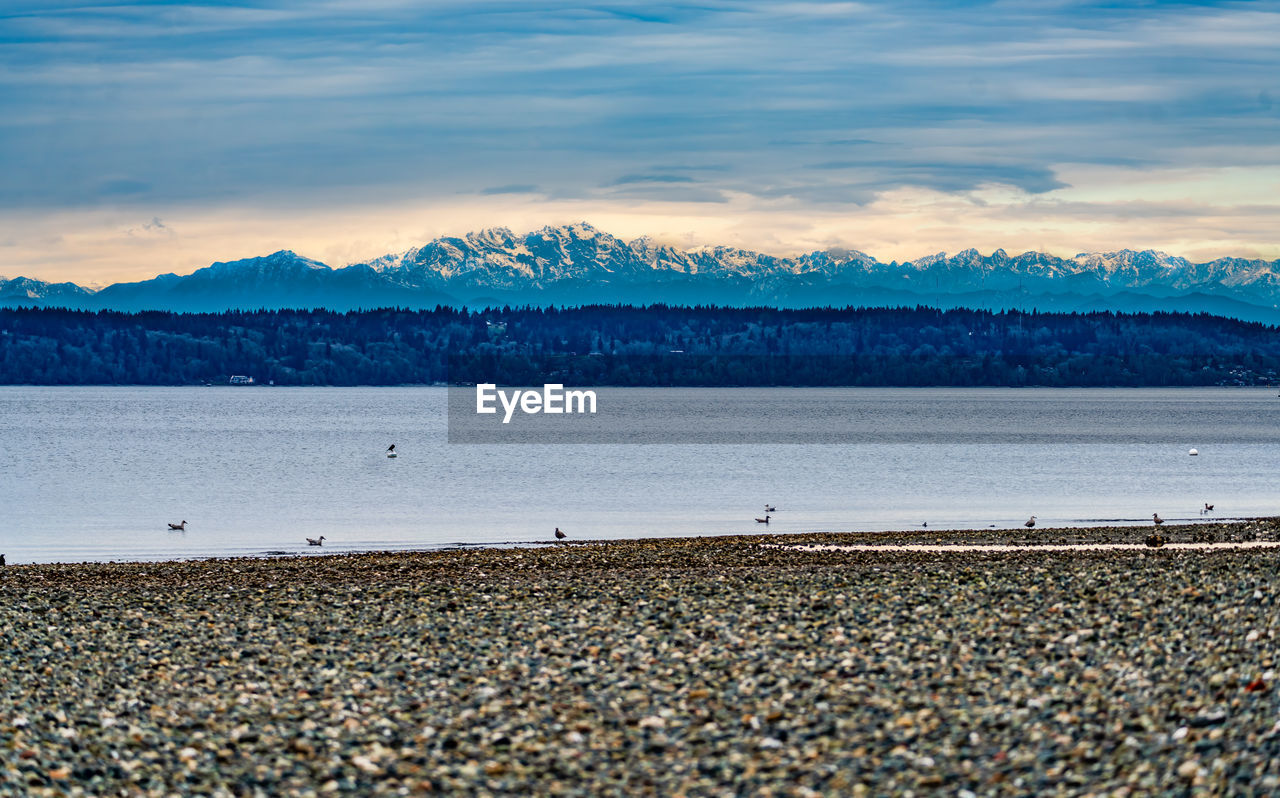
[1156, 517]
[764, 520]
[316, 541]
[560, 535]
[178, 527]
[1030, 522]
[769, 509]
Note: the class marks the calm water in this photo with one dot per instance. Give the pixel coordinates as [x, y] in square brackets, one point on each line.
[95, 473]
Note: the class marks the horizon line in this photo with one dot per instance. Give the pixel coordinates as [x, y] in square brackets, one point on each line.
[797, 254]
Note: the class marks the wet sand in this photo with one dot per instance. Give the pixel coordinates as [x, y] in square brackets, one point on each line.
[699, 667]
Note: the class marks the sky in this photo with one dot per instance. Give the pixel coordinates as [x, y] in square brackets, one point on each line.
[151, 137]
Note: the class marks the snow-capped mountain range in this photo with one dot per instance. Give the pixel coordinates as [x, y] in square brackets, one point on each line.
[578, 264]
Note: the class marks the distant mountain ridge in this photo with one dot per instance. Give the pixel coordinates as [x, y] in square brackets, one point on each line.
[577, 264]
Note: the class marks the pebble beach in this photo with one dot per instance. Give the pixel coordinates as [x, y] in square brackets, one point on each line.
[761, 665]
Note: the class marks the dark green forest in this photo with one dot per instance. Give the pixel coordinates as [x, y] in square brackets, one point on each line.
[623, 345]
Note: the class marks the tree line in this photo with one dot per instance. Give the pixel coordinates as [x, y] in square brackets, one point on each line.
[623, 345]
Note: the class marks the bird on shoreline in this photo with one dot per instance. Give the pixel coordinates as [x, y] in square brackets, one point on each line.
[1030, 522]
[1156, 517]
[316, 541]
[2, 560]
[178, 527]
[560, 535]
[764, 520]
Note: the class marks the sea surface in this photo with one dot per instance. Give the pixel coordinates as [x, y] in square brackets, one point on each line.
[98, 473]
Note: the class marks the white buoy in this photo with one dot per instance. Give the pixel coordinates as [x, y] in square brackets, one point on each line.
[1193, 453]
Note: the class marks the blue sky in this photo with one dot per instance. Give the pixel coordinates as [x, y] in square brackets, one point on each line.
[161, 136]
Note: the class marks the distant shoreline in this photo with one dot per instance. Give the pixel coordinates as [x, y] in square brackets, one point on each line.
[1259, 532]
[650, 346]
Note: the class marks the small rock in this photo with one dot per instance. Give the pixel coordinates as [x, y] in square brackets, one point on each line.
[1207, 719]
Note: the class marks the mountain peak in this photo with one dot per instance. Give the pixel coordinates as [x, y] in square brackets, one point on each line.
[492, 236]
[580, 230]
[927, 260]
[274, 266]
[577, 263]
[25, 290]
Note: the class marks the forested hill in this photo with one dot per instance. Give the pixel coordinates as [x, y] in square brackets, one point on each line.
[620, 345]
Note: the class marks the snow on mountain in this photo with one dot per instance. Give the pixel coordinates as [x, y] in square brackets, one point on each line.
[284, 263]
[28, 292]
[282, 279]
[498, 260]
[577, 263]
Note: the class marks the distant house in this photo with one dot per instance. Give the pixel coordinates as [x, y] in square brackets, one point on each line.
[239, 380]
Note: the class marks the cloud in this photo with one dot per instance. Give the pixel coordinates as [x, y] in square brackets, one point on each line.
[514, 188]
[152, 230]
[665, 193]
[652, 178]
[301, 108]
[1196, 213]
[122, 187]
[944, 176]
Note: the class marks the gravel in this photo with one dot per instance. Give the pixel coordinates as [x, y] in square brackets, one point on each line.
[710, 666]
